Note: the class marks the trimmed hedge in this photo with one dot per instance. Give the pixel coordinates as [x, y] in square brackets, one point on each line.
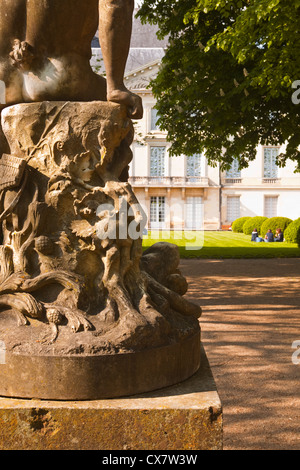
[292, 233]
[274, 223]
[237, 225]
[252, 223]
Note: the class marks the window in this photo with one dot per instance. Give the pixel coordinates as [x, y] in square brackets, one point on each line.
[270, 167]
[194, 213]
[193, 166]
[157, 161]
[271, 203]
[233, 208]
[234, 171]
[157, 211]
[154, 119]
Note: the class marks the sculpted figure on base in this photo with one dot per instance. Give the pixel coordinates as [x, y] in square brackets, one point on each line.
[48, 43]
[65, 204]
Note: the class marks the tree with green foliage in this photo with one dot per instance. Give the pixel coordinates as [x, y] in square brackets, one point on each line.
[229, 78]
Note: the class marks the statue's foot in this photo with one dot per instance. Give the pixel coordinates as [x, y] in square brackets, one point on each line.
[131, 100]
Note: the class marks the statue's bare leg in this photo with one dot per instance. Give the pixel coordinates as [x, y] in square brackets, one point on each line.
[64, 59]
[12, 26]
[115, 26]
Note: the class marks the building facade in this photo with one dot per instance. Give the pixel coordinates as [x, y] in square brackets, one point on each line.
[186, 193]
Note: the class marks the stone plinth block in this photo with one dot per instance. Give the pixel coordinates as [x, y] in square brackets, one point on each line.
[187, 416]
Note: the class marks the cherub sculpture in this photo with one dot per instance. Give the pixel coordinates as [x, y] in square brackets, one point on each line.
[48, 43]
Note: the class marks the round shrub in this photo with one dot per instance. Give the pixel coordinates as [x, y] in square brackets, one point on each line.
[237, 225]
[292, 233]
[273, 223]
[252, 223]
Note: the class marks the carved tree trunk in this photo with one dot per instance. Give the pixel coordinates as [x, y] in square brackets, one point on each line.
[71, 250]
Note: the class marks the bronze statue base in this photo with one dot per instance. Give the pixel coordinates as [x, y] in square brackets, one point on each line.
[86, 313]
[43, 374]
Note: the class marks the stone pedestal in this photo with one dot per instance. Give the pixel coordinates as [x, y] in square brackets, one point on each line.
[85, 314]
[187, 416]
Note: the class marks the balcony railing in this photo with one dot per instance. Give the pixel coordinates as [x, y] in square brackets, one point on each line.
[271, 180]
[168, 181]
[232, 180]
[250, 181]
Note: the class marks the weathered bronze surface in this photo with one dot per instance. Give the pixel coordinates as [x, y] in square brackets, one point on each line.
[71, 256]
[45, 49]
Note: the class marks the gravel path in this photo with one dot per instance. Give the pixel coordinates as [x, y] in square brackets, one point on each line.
[251, 317]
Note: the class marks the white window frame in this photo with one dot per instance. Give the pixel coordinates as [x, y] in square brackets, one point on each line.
[234, 171]
[158, 169]
[270, 169]
[153, 120]
[272, 210]
[236, 211]
[194, 166]
[158, 212]
[194, 213]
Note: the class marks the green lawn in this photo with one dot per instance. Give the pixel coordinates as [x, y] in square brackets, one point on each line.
[221, 245]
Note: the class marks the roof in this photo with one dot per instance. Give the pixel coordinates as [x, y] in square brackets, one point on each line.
[145, 35]
[145, 47]
[139, 79]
